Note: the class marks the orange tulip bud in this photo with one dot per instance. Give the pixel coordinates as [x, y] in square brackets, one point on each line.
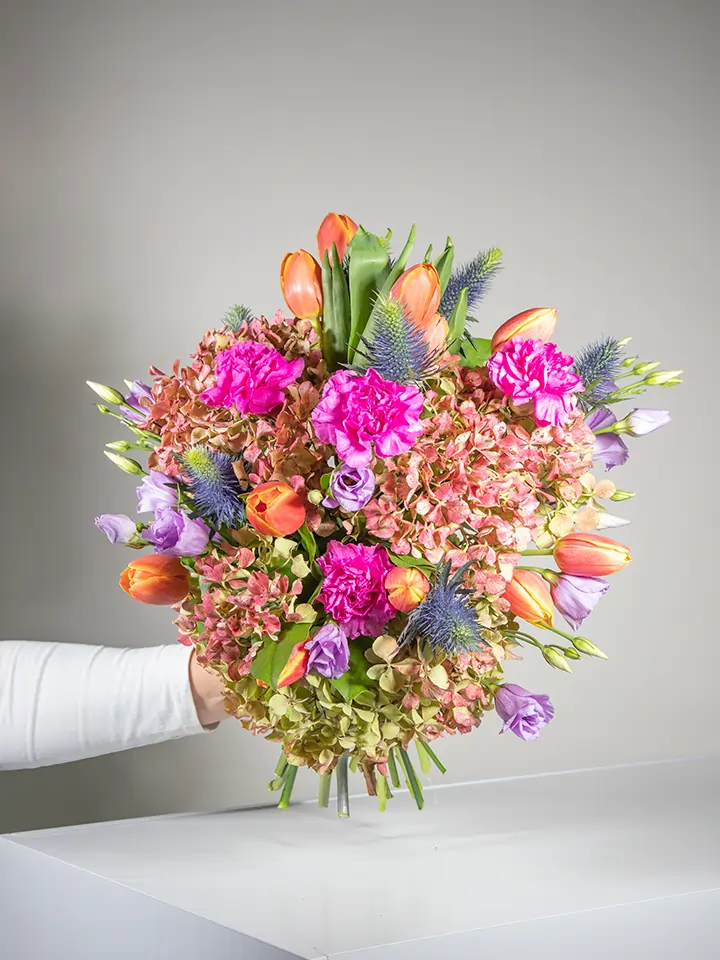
[437, 332]
[338, 229]
[301, 283]
[406, 587]
[296, 667]
[590, 555]
[156, 579]
[536, 324]
[419, 289]
[529, 597]
[275, 508]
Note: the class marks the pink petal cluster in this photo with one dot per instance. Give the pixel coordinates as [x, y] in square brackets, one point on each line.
[353, 589]
[536, 371]
[251, 377]
[241, 606]
[361, 412]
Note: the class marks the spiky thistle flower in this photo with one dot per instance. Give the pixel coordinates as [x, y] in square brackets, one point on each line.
[214, 485]
[236, 316]
[475, 275]
[597, 365]
[396, 347]
[445, 619]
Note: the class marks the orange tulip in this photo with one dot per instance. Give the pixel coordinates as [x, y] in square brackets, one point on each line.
[590, 555]
[275, 508]
[437, 332]
[419, 289]
[536, 324]
[156, 579]
[301, 283]
[406, 587]
[529, 597]
[338, 229]
[296, 667]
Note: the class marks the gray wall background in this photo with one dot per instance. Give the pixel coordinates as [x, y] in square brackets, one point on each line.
[158, 159]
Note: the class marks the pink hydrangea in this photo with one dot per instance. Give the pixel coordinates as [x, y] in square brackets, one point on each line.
[353, 591]
[533, 370]
[252, 377]
[360, 411]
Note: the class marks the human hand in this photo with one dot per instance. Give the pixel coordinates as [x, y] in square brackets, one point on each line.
[207, 691]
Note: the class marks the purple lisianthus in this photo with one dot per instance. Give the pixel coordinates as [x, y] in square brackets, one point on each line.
[350, 488]
[608, 449]
[176, 534]
[329, 651]
[522, 712]
[576, 597]
[155, 492]
[117, 527]
[132, 408]
[643, 421]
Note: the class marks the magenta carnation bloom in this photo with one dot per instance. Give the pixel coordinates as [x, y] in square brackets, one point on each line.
[360, 411]
[353, 591]
[533, 370]
[252, 377]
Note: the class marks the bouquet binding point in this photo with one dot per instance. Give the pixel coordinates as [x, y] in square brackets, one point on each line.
[361, 511]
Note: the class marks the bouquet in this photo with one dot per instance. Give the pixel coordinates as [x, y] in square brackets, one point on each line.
[362, 512]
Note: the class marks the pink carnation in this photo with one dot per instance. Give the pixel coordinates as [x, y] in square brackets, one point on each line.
[533, 370]
[359, 411]
[353, 591]
[252, 377]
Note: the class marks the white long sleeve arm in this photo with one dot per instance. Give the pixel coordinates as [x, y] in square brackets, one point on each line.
[68, 701]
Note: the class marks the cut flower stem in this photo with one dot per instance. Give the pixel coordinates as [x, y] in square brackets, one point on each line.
[286, 794]
[343, 797]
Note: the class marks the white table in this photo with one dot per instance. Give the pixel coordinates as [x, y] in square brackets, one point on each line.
[620, 862]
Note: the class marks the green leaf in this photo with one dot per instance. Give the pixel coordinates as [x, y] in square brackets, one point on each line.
[428, 255]
[401, 262]
[308, 541]
[325, 482]
[336, 311]
[369, 268]
[456, 320]
[355, 680]
[408, 561]
[444, 264]
[475, 352]
[274, 654]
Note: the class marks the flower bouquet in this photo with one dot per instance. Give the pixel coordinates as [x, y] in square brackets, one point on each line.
[348, 506]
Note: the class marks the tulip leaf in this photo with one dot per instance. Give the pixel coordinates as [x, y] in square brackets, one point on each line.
[308, 541]
[444, 264]
[456, 320]
[428, 255]
[475, 352]
[274, 654]
[401, 262]
[336, 311]
[418, 563]
[369, 269]
[355, 680]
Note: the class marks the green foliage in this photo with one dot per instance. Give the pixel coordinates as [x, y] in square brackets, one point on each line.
[355, 680]
[274, 654]
[369, 269]
[236, 316]
[336, 311]
[474, 352]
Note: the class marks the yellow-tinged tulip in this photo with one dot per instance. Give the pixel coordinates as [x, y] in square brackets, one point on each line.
[301, 283]
[536, 324]
[338, 229]
[156, 578]
[407, 587]
[529, 597]
[419, 289]
[590, 555]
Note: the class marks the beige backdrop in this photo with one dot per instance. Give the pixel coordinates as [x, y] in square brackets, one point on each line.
[158, 159]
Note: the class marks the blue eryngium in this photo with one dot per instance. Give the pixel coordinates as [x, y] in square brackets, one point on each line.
[396, 346]
[214, 485]
[475, 275]
[445, 619]
[597, 365]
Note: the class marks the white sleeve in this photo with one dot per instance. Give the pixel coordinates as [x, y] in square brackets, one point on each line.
[68, 701]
